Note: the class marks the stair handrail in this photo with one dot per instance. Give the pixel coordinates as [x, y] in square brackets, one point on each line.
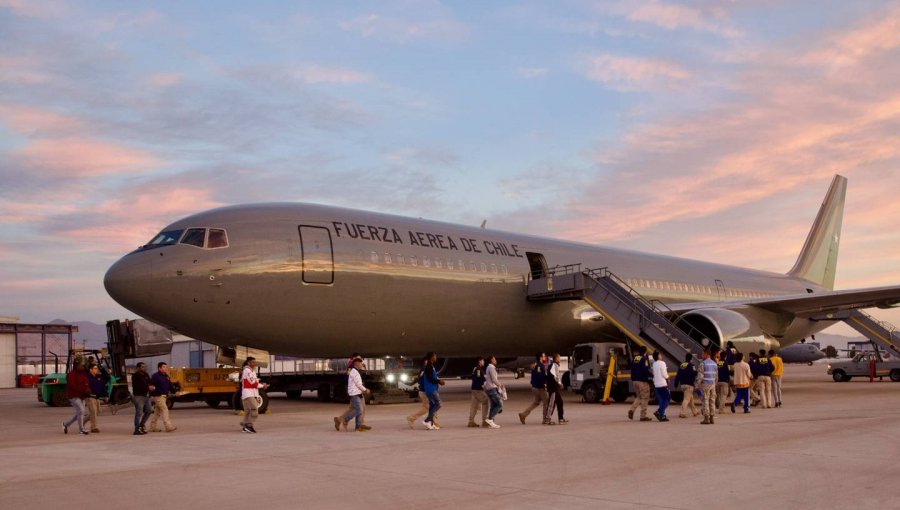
[890, 328]
[605, 272]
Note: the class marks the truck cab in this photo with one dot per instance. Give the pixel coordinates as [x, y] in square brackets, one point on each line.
[589, 369]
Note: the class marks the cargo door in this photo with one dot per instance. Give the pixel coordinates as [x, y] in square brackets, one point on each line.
[317, 253]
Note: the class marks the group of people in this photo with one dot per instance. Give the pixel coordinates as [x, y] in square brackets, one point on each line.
[719, 375]
[487, 394]
[87, 389]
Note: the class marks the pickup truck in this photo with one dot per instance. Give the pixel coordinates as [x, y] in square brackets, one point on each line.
[858, 366]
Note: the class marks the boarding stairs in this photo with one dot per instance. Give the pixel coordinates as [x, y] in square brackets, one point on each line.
[881, 333]
[644, 321]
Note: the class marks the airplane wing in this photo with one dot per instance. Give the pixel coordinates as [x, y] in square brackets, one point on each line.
[815, 304]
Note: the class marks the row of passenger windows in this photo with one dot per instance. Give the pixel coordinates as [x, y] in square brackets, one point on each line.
[640, 283]
[438, 263]
[201, 237]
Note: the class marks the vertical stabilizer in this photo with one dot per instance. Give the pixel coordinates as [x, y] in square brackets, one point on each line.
[818, 259]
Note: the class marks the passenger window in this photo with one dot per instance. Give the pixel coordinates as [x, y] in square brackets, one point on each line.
[413, 261]
[449, 264]
[387, 258]
[217, 238]
[438, 264]
[373, 257]
[494, 268]
[472, 267]
[400, 259]
[503, 269]
[461, 266]
[483, 267]
[426, 261]
[194, 237]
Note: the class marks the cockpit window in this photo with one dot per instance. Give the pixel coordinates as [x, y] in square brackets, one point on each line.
[194, 237]
[166, 238]
[217, 238]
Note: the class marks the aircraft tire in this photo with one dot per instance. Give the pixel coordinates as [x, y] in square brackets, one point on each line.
[591, 392]
[810, 363]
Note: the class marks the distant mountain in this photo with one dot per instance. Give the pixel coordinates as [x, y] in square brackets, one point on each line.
[90, 334]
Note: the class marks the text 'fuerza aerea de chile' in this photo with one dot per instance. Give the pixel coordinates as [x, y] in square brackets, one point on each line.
[423, 239]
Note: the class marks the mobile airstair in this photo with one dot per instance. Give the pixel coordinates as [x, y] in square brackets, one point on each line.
[645, 322]
[880, 333]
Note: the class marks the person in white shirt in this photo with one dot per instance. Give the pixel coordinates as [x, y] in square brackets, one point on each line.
[250, 387]
[661, 384]
[555, 387]
[357, 392]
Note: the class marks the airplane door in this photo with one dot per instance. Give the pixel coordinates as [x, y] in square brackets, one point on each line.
[537, 264]
[720, 288]
[317, 253]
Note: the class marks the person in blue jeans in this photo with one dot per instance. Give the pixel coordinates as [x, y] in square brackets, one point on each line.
[430, 383]
[492, 386]
[140, 389]
[661, 384]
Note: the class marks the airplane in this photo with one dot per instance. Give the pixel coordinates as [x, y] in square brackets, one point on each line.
[310, 280]
[801, 353]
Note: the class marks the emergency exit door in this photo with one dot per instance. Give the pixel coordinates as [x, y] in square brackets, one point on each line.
[317, 253]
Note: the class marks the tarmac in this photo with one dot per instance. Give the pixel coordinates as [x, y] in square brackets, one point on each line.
[832, 445]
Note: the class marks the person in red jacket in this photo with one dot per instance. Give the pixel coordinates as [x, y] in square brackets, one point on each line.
[77, 389]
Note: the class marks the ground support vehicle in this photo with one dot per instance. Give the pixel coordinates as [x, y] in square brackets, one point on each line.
[388, 380]
[589, 373]
[51, 388]
[843, 370]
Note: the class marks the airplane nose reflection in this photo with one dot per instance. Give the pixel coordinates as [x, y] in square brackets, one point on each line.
[126, 278]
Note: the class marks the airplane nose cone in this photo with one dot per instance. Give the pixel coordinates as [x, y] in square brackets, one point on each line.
[126, 280]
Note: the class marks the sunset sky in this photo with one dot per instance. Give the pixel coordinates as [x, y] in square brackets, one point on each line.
[706, 129]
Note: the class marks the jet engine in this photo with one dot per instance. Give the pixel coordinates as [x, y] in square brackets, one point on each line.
[720, 325]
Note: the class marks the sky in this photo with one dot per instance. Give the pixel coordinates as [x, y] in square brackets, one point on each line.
[705, 129]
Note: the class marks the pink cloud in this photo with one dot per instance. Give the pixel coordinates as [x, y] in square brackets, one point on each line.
[131, 222]
[22, 71]
[673, 16]
[740, 182]
[164, 79]
[29, 120]
[84, 157]
[632, 73]
[850, 47]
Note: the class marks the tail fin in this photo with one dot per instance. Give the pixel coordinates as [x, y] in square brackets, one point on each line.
[817, 262]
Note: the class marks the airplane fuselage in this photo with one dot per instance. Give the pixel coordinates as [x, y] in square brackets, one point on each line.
[310, 280]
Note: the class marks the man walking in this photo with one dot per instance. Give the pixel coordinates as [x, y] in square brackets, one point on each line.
[640, 377]
[357, 392]
[538, 389]
[724, 380]
[423, 399]
[77, 389]
[661, 385]
[432, 384]
[777, 372]
[766, 379]
[707, 378]
[250, 387]
[140, 391]
[492, 387]
[161, 387]
[685, 379]
[742, 379]
[479, 398]
[554, 389]
[97, 384]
